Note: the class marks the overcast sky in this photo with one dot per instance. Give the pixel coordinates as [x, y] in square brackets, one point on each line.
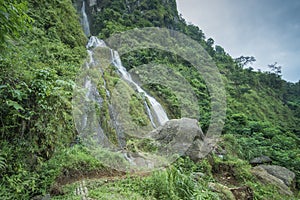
[269, 30]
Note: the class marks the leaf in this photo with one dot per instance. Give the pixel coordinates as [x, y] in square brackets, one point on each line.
[3, 86]
[2, 162]
[17, 94]
[15, 105]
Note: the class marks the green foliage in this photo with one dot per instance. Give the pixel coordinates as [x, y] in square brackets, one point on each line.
[37, 72]
[20, 182]
[36, 85]
[282, 149]
[177, 182]
[180, 181]
[262, 192]
[17, 181]
[137, 110]
[147, 145]
[68, 163]
[14, 20]
[263, 109]
[123, 15]
[2, 162]
[170, 89]
[239, 170]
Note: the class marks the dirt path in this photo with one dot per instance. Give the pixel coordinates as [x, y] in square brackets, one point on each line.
[107, 175]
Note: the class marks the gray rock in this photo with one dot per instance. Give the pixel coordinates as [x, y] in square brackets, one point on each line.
[92, 3]
[198, 175]
[239, 193]
[267, 178]
[40, 197]
[286, 175]
[179, 137]
[219, 188]
[261, 160]
[194, 152]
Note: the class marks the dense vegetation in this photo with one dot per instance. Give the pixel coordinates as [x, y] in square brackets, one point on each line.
[263, 109]
[43, 47]
[39, 59]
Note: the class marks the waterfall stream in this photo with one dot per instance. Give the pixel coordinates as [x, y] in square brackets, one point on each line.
[85, 21]
[158, 111]
[155, 111]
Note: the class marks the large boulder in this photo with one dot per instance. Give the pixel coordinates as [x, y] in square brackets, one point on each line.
[268, 178]
[179, 137]
[284, 174]
[260, 160]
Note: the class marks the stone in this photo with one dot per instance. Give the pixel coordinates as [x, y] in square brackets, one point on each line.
[266, 178]
[181, 137]
[239, 193]
[142, 161]
[194, 151]
[284, 174]
[220, 151]
[198, 176]
[242, 193]
[40, 197]
[92, 3]
[260, 160]
[219, 188]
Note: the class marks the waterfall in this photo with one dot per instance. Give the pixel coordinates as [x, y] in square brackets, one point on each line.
[84, 21]
[90, 126]
[158, 111]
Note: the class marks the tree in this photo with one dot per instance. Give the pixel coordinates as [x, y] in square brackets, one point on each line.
[210, 42]
[244, 60]
[209, 47]
[276, 69]
[220, 50]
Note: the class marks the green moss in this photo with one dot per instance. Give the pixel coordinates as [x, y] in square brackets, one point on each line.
[147, 145]
[137, 110]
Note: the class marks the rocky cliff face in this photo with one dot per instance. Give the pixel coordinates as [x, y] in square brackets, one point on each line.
[105, 14]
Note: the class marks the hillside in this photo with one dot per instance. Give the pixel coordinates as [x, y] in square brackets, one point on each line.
[42, 143]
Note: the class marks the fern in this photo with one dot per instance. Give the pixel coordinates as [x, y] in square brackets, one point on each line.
[2, 162]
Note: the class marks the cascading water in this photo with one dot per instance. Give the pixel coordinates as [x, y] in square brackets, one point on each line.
[155, 111]
[98, 129]
[89, 123]
[158, 110]
[85, 22]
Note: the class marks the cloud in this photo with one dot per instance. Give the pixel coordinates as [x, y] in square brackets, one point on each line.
[266, 29]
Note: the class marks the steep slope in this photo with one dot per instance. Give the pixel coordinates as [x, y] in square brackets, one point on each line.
[38, 71]
[262, 108]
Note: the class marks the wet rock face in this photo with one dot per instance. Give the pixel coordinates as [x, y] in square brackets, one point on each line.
[183, 137]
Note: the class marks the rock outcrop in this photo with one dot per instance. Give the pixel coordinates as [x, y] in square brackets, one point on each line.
[179, 137]
[284, 174]
[278, 176]
[260, 160]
